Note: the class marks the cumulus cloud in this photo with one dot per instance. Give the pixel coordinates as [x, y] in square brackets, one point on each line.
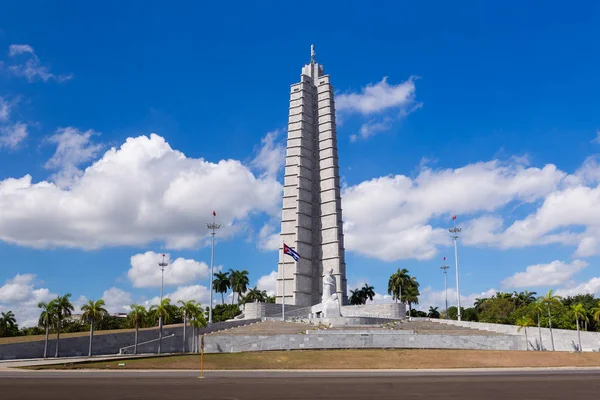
[271, 156]
[268, 238]
[389, 217]
[140, 193]
[199, 293]
[117, 300]
[11, 136]
[433, 298]
[73, 148]
[21, 296]
[590, 287]
[268, 283]
[4, 109]
[31, 69]
[145, 272]
[378, 97]
[371, 128]
[551, 274]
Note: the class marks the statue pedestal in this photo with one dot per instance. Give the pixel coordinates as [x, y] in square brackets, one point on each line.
[329, 309]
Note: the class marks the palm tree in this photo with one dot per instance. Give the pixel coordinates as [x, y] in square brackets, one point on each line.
[549, 300]
[47, 319]
[63, 309]
[255, 295]
[397, 280]
[93, 311]
[239, 282]
[198, 321]
[479, 303]
[433, 312]
[524, 322]
[188, 309]
[596, 313]
[7, 322]
[137, 316]
[367, 292]
[161, 313]
[221, 284]
[411, 296]
[539, 307]
[356, 297]
[578, 311]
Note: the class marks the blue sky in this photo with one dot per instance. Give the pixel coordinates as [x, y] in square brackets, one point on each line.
[484, 111]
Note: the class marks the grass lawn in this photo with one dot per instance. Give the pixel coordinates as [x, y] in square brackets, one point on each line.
[353, 359]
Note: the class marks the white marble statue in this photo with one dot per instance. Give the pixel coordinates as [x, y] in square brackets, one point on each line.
[330, 301]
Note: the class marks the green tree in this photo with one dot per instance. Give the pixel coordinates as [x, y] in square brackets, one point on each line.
[433, 312]
[411, 295]
[355, 297]
[221, 284]
[161, 312]
[398, 280]
[189, 309]
[239, 282]
[538, 308]
[254, 295]
[596, 313]
[199, 321]
[367, 292]
[523, 323]
[93, 311]
[8, 324]
[63, 309]
[224, 312]
[550, 300]
[497, 310]
[579, 313]
[137, 316]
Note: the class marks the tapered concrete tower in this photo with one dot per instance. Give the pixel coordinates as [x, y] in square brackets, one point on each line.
[311, 218]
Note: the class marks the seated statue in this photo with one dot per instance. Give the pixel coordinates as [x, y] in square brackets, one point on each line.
[330, 301]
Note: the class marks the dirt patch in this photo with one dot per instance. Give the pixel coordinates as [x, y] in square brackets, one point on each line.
[353, 359]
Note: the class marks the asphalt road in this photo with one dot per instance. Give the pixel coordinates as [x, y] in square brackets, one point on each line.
[292, 386]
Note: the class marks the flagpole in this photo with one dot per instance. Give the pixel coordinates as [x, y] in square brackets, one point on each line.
[283, 288]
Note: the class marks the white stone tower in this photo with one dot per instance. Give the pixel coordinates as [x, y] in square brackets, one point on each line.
[311, 218]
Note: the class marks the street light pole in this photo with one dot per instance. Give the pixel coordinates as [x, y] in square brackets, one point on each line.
[444, 268]
[162, 266]
[214, 226]
[455, 231]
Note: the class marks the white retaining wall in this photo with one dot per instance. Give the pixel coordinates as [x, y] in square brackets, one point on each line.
[564, 339]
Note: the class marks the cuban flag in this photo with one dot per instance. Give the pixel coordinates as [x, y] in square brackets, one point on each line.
[290, 252]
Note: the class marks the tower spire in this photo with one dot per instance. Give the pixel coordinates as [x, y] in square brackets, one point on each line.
[312, 53]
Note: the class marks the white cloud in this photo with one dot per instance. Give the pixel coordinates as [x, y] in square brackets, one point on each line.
[32, 68]
[371, 128]
[11, 136]
[268, 283]
[389, 217]
[141, 193]
[268, 238]
[145, 272]
[552, 274]
[73, 148]
[21, 296]
[4, 109]
[591, 287]
[117, 300]
[597, 138]
[184, 293]
[271, 156]
[375, 98]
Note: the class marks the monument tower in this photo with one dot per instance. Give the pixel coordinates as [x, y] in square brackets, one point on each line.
[311, 216]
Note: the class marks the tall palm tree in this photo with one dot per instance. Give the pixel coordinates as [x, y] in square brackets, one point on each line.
[411, 296]
[188, 310]
[239, 282]
[578, 311]
[433, 312]
[198, 321]
[47, 319]
[161, 313]
[538, 307]
[356, 297]
[93, 311]
[367, 292]
[596, 313]
[137, 316]
[478, 304]
[7, 322]
[397, 280]
[549, 300]
[63, 309]
[221, 284]
[524, 322]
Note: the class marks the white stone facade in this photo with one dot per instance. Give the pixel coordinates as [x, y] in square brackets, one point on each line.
[311, 218]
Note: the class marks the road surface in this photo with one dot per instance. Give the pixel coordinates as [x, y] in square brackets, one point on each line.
[121, 385]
